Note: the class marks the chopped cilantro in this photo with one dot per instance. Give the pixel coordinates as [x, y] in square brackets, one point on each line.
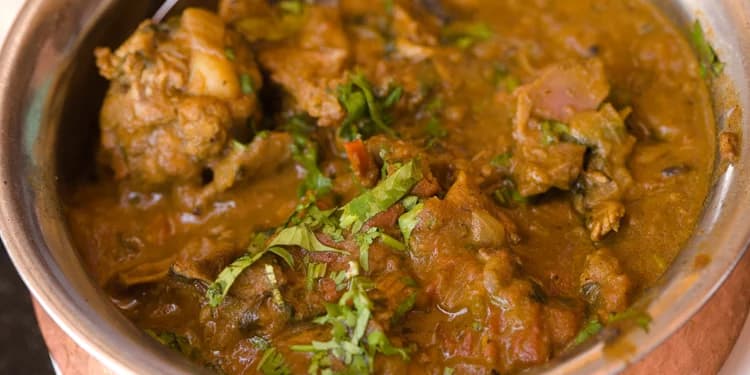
[273, 363]
[640, 318]
[292, 6]
[408, 221]
[393, 97]
[477, 326]
[314, 271]
[302, 236]
[364, 241]
[503, 79]
[392, 242]
[298, 235]
[305, 153]
[449, 371]
[553, 131]
[710, 64]
[365, 116]
[349, 342]
[508, 196]
[378, 199]
[246, 84]
[466, 34]
[229, 53]
[405, 306]
[590, 329]
[173, 341]
[502, 160]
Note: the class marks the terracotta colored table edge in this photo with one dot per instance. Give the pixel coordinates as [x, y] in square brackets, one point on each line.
[699, 348]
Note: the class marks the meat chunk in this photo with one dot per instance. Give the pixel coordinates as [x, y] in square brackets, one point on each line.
[263, 156]
[565, 89]
[523, 339]
[729, 146]
[175, 98]
[311, 64]
[604, 284]
[536, 166]
[203, 258]
[607, 178]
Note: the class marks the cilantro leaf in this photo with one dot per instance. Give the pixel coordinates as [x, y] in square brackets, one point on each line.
[465, 34]
[349, 320]
[298, 235]
[553, 131]
[364, 241]
[640, 318]
[365, 111]
[408, 221]
[302, 236]
[508, 196]
[173, 341]
[313, 272]
[592, 327]
[305, 152]
[710, 64]
[273, 363]
[502, 160]
[246, 84]
[384, 195]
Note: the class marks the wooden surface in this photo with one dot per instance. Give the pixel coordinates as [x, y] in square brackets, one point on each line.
[699, 348]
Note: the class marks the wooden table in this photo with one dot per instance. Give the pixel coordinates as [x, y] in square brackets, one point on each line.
[699, 348]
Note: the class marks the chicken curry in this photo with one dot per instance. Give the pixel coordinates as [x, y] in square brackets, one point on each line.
[396, 186]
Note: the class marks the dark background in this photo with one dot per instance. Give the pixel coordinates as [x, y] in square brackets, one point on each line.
[22, 349]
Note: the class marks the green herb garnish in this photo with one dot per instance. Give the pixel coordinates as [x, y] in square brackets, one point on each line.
[553, 131]
[364, 241]
[314, 271]
[710, 64]
[502, 160]
[384, 195]
[408, 221]
[590, 329]
[503, 79]
[349, 342]
[365, 111]
[229, 53]
[466, 34]
[273, 363]
[292, 6]
[246, 84]
[640, 318]
[173, 341]
[305, 152]
[508, 196]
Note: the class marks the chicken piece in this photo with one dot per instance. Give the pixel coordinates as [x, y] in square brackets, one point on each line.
[523, 339]
[604, 284]
[263, 156]
[607, 177]
[310, 65]
[445, 240]
[175, 98]
[537, 167]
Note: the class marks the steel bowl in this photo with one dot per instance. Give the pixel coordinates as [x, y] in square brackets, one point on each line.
[49, 99]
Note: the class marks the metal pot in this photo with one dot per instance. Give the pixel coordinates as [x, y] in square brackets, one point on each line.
[49, 99]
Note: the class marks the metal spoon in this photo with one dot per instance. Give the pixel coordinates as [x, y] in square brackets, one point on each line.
[163, 10]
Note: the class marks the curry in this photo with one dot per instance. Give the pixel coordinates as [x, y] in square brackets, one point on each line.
[437, 187]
